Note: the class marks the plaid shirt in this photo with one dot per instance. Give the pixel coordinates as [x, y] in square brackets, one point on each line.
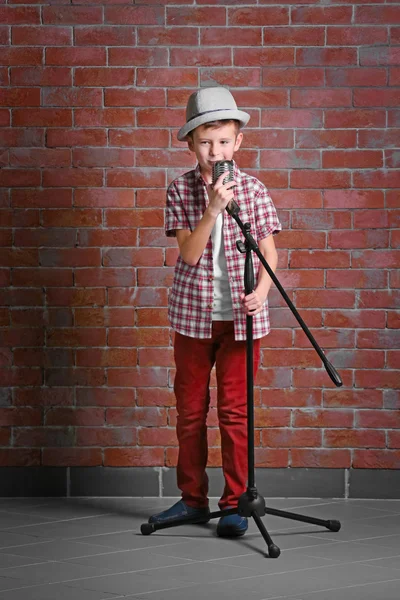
[191, 300]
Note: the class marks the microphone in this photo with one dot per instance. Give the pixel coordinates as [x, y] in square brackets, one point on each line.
[220, 167]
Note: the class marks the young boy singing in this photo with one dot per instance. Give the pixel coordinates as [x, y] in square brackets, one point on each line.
[208, 306]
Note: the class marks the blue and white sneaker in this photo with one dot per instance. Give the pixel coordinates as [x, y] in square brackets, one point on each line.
[180, 510]
[232, 526]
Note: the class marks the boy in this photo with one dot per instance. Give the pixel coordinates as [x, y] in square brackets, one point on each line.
[207, 306]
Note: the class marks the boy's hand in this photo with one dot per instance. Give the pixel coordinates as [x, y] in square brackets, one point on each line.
[252, 303]
[220, 195]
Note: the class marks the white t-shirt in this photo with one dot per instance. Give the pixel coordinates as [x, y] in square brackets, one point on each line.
[222, 309]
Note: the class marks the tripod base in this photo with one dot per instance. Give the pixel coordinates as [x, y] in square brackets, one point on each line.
[250, 504]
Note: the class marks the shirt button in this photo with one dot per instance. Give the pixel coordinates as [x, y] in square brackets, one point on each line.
[210, 305]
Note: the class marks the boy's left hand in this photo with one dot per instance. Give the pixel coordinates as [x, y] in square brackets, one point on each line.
[252, 303]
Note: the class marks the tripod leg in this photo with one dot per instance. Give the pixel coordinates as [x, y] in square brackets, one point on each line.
[273, 550]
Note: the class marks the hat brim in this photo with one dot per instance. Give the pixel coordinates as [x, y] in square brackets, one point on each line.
[214, 115]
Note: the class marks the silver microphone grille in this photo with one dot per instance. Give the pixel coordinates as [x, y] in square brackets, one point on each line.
[222, 166]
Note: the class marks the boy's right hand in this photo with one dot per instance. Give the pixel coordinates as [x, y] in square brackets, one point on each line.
[220, 195]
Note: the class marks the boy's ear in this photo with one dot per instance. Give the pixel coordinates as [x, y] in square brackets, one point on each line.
[189, 140]
[238, 141]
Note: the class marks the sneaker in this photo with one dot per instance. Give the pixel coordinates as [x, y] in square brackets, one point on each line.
[232, 526]
[180, 510]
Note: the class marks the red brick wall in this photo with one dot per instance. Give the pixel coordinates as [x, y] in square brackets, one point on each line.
[91, 98]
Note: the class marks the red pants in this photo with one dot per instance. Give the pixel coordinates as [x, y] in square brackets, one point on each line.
[194, 360]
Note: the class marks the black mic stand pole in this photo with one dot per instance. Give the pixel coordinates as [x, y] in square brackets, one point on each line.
[251, 503]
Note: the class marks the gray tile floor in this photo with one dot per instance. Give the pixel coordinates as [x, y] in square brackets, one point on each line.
[92, 549]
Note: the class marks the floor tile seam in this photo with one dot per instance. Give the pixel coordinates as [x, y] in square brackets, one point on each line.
[38, 541]
[346, 587]
[59, 521]
[357, 540]
[285, 572]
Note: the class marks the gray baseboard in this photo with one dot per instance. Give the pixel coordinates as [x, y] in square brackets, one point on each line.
[161, 482]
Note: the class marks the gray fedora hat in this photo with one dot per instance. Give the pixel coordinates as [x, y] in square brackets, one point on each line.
[210, 104]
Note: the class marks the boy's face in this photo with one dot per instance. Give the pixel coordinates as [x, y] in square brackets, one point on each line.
[213, 144]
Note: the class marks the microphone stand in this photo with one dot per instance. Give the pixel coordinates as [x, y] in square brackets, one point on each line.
[251, 503]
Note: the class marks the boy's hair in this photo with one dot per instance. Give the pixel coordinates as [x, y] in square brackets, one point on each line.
[216, 124]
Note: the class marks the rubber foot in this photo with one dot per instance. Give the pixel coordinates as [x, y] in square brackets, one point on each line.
[273, 551]
[147, 528]
[334, 526]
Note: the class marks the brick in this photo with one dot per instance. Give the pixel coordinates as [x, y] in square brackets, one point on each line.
[194, 56]
[14, 137]
[377, 378]
[356, 279]
[381, 97]
[137, 416]
[291, 438]
[105, 397]
[41, 36]
[21, 56]
[356, 77]
[164, 158]
[143, 297]
[104, 117]
[198, 16]
[320, 179]
[139, 377]
[356, 36]
[76, 56]
[86, 197]
[134, 97]
[134, 15]
[221, 36]
[46, 117]
[76, 137]
[326, 56]
[379, 138]
[251, 57]
[19, 178]
[20, 97]
[66, 457]
[43, 237]
[377, 179]
[377, 14]
[353, 398]
[42, 277]
[103, 157]
[104, 76]
[255, 15]
[20, 416]
[151, 257]
[314, 15]
[109, 277]
[42, 76]
[139, 138]
[72, 97]
[378, 339]
[353, 199]
[338, 138]
[325, 299]
[73, 177]
[106, 436]
[39, 157]
[348, 438]
[376, 459]
[298, 77]
[320, 98]
[105, 36]
[17, 257]
[172, 77]
[139, 57]
[108, 237]
[133, 457]
[320, 458]
[72, 15]
[234, 77]
[351, 159]
[136, 178]
[19, 457]
[380, 56]
[19, 15]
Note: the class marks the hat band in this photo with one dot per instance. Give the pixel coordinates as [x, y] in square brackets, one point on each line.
[208, 112]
